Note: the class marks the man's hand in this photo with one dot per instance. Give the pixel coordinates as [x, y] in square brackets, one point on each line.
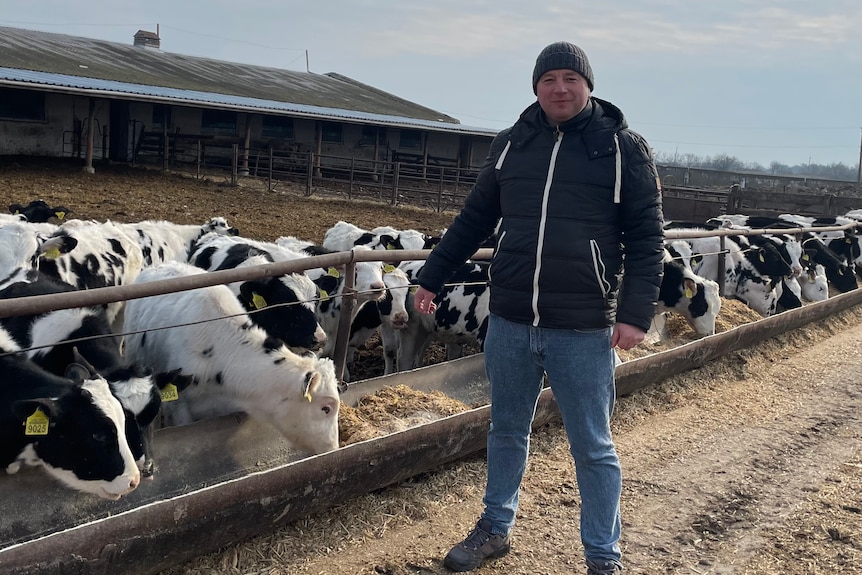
[423, 301]
[626, 336]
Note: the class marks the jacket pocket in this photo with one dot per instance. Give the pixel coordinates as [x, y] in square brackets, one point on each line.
[599, 268]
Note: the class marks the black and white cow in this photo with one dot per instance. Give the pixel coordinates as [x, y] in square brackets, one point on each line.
[388, 316]
[162, 241]
[844, 244]
[38, 211]
[236, 365]
[59, 338]
[368, 284]
[22, 249]
[461, 317]
[814, 247]
[105, 255]
[71, 426]
[693, 297]
[344, 236]
[752, 274]
[285, 306]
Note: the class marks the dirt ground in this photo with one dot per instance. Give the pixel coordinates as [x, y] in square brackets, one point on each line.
[751, 465]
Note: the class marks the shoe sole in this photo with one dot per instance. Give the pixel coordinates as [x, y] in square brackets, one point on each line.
[460, 567]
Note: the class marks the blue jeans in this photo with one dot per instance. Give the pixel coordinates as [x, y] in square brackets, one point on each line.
[580, 368]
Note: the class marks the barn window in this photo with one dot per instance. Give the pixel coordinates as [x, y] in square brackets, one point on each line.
[218, 122]
[331, 132]
[161, 115]
[277, 127]
[25, 105]
[410, 139]
[370, 135]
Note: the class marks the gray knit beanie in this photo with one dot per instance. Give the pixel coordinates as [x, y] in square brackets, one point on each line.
[562, 56]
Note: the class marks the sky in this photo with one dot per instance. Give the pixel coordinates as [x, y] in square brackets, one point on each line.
[761, 80]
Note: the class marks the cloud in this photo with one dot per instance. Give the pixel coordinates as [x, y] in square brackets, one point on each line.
[693, 31]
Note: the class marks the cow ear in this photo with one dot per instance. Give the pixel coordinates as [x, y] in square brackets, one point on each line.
[77, 372]
[55, 246]
[27, 407]
[690, 287]
[174, 377]
[312, 382]
[253, 295]
[327, 283]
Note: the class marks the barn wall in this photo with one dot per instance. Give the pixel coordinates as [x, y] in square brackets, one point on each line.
[54, 136]
[60, 135]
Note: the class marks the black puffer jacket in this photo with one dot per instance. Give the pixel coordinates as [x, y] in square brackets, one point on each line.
[576, 205]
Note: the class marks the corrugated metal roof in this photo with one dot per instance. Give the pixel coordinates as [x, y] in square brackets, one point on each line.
[72, 63]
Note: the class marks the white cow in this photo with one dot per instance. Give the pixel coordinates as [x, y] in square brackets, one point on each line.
[236, 366]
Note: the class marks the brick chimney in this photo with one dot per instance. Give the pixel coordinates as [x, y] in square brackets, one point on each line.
[147, 39]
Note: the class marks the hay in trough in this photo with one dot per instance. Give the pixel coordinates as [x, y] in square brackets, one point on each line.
[733, 313]
[393, 409]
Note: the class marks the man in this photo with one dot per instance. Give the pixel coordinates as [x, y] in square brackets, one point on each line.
[575, 199]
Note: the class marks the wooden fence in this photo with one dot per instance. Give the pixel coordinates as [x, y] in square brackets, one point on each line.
[442, 187]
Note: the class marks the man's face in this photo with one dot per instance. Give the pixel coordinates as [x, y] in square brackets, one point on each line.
[562, 94]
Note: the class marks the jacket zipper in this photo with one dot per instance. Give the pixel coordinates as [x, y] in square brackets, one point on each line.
[558, 135]
[599, 268]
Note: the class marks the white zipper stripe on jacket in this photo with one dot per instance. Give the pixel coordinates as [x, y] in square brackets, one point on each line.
[618, 173]
[542, 222]
[503, 156]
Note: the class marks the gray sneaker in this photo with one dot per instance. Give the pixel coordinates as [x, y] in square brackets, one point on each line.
[479, 545]
[603, 568]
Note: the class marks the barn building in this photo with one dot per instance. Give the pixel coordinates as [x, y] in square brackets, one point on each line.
[68, 96]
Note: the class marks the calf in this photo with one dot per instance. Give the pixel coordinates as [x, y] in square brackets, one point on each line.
[344, 236]
[22, 249]
[104, 256]
[38, 211]
[388, 316]
[285, 306]
[752, 274]
[162, 241]
[693, 297]
[58, 338]
[236, 365]
[71, 426]
[461, 316]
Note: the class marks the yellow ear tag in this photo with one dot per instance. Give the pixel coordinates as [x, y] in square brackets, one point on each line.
[170, 393]
[688, 293]
[333, 272]
[762, 259]
[17, 212]
[37, 424]
[390, 246]
[257, 301]
[414, 289]
[52, 253]
[306, 393]
[388, 269]
[324, 295]
[60, 215]
[847, 240]
[805, 257]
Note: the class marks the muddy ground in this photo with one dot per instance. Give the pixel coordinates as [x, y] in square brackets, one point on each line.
[752, 465]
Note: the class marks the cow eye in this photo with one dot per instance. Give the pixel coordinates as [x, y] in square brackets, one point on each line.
[326, 409]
